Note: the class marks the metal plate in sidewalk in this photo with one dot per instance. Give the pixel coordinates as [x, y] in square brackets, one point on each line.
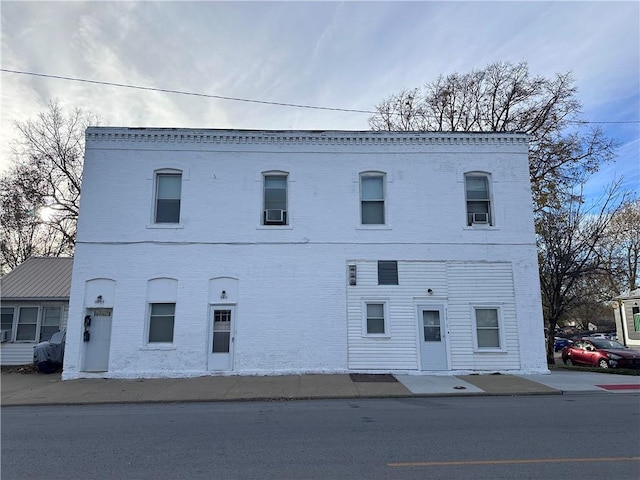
[372, 378]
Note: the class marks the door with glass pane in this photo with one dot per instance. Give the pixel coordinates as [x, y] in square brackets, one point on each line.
[432, 331]
[221, 337]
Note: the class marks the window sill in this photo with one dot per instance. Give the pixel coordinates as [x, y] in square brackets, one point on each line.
[489, 350]
[166, 226]
[381, 336]
[481, 227]
[373, 227]
[160, 346]
[274, 227]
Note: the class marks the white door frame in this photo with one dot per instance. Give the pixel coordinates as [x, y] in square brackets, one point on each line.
[221, 361]
[441, 307]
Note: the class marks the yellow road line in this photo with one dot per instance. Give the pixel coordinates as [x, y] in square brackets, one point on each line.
[508, 462]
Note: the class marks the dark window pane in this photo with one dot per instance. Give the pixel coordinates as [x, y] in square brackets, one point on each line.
[221, 342]
[161, 329]
[161, 322]
[7, 318]
[488, 338]
[168, 211]
[387, 272]
[26, 332]
[477, 188]
[373, 213]
[46, 332]
[27, 322]
[375, 325]
[431, 334]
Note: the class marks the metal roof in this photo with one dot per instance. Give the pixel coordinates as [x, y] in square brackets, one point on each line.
[38, 278]
[633, 294]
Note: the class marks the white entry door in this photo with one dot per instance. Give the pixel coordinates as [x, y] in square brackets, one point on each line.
[221, 337]
[98, 327]
[433, 345]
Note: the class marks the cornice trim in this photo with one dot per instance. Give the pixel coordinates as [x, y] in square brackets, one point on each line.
[301, 137]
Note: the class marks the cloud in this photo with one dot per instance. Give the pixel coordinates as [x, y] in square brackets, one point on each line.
[349, 54]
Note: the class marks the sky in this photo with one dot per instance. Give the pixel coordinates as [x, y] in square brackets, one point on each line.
[346, 55]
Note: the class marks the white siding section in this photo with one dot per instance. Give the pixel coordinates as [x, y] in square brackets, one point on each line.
[399, 350]
[17, 353]
[476, 284]
[458, 285]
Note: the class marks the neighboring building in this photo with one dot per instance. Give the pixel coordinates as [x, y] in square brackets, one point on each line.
[627, 316]
[271, 252]
[35, 304]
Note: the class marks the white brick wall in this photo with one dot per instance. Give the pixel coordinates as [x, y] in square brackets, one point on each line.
[292, 299]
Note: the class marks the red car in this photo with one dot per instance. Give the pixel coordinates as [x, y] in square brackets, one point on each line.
[599, 352]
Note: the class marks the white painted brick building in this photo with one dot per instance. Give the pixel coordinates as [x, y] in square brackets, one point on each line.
[266, 252]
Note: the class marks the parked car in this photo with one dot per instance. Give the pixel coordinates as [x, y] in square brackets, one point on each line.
[48, 355]
[603, 353]
[599, 335]
[559, 343]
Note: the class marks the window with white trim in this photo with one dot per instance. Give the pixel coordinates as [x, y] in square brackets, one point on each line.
[51, 321]
[477, 187]
[274, 199]
[168, 192]
[372, 198]
[161, 322]
[6, 323]
[27, 328]
[375, 321]
[487, 325]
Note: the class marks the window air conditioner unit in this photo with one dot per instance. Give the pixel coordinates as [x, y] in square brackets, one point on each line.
[5, 335]
[480, 218]
[274, 216]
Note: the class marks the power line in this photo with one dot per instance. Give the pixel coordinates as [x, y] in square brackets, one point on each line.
[180, 92]
[248, 100]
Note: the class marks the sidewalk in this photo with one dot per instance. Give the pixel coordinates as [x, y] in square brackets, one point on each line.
[38, 389]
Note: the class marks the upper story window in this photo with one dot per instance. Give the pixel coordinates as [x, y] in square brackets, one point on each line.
[275, 199]
[478, 197]
[372, 191]
[168, 192]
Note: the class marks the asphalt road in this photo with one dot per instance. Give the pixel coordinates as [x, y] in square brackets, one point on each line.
[565, 437]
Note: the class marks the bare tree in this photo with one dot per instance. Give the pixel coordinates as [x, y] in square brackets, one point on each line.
[40, 196]
[570, 237]
[621, 251]
[505, 97]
